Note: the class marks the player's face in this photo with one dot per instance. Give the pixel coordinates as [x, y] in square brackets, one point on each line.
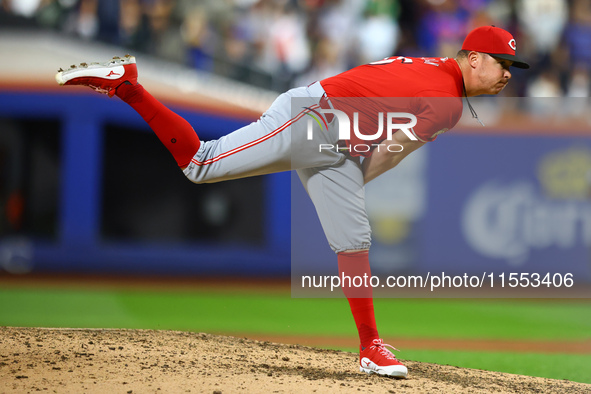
[494, 74]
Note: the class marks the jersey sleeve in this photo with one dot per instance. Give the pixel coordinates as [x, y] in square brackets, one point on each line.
[436, 113]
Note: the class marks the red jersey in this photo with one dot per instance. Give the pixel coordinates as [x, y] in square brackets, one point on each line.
[429, 88]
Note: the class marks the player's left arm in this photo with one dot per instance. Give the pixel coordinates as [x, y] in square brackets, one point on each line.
[384, 159]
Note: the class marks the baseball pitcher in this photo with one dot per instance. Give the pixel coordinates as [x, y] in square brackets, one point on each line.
[282, 140]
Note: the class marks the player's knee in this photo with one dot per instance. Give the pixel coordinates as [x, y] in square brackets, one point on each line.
[347, 239]
[192, 174]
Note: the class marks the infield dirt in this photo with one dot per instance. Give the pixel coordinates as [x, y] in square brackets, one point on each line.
[145, 361]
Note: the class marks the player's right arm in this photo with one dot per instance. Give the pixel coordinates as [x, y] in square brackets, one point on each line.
[385, 159]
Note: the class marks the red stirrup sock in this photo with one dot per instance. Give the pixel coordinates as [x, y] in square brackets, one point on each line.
[173, 131]
[360, 299]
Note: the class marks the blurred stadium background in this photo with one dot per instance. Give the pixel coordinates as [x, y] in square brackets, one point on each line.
[86, 191]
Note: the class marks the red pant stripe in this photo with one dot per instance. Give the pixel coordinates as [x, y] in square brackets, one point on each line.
[255, 142]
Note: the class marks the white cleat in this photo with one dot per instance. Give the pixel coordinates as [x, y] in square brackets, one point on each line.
[377, 359]
[102, 77]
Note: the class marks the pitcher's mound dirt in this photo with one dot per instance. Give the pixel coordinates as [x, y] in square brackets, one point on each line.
[143, 361]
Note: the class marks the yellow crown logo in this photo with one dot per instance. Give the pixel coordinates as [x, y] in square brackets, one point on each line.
[566, 174]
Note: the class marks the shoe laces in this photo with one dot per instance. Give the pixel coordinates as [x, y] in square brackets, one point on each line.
[381, 348]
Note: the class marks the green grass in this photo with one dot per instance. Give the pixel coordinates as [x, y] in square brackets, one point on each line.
[245, 312]
[573, 367]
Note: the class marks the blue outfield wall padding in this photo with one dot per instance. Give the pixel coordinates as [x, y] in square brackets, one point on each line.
[79, 247]
[160, 259]
[80, 180]
[103, 109]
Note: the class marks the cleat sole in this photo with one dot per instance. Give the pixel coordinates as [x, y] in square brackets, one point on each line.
[401, 372]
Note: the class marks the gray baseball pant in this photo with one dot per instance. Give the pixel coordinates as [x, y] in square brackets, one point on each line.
[279, 141]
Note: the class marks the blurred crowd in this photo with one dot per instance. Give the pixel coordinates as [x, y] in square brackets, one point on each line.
[278, 44]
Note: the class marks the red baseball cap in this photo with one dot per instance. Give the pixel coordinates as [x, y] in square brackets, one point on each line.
[496, 42]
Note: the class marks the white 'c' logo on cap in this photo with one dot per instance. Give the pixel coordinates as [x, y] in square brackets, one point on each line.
[512, 44]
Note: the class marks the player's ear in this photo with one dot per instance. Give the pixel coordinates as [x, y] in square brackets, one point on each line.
[474, 58]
